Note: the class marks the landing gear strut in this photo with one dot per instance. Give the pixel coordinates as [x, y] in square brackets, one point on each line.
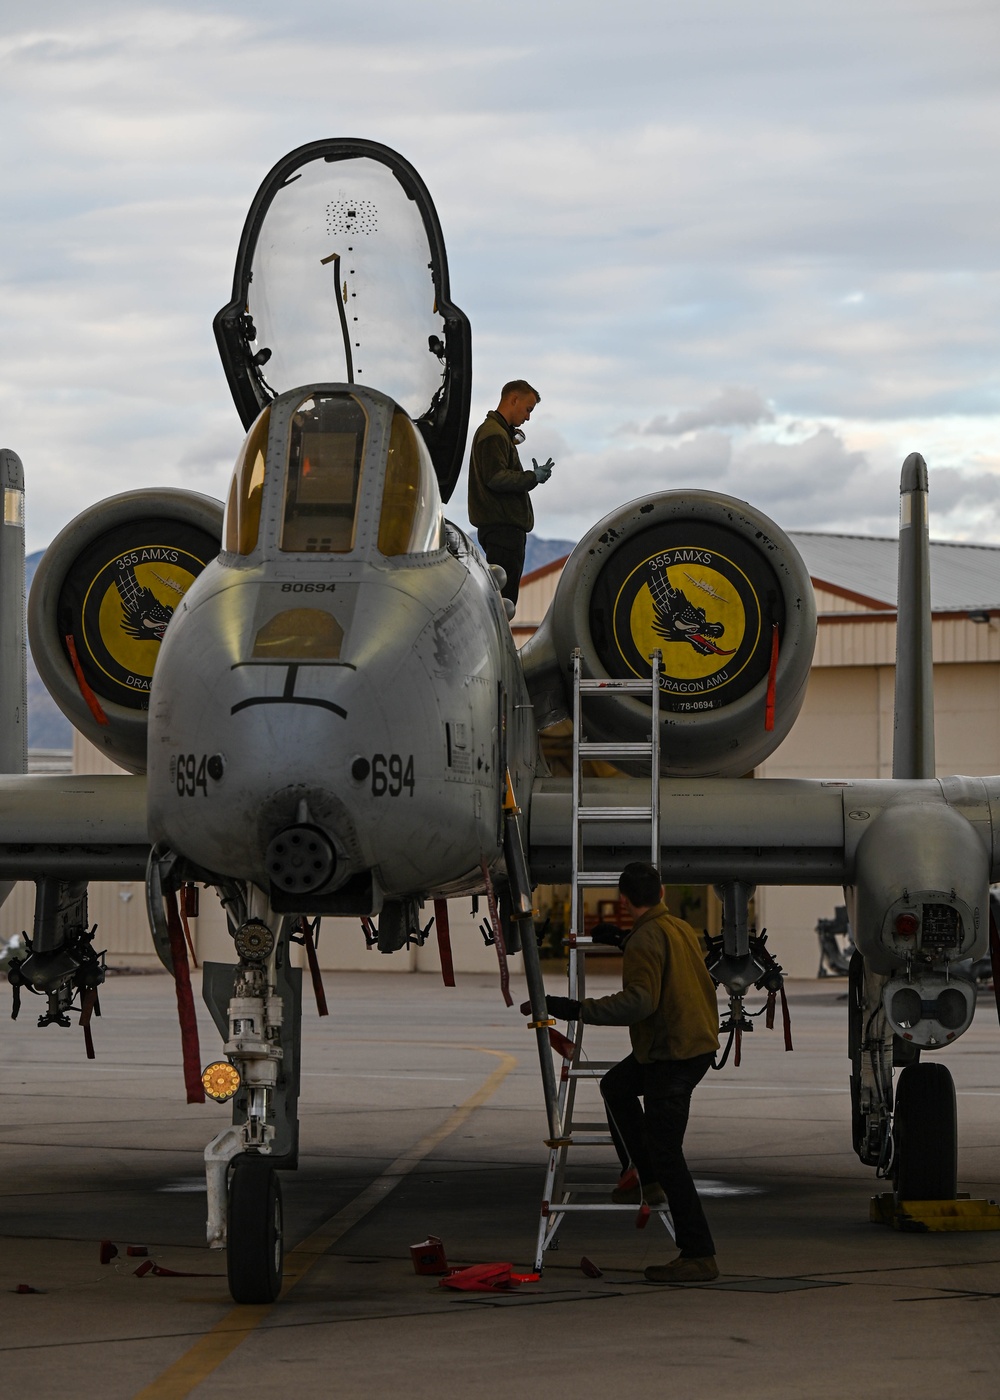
[911, 1136]
[257, 1007]
[870, 1046]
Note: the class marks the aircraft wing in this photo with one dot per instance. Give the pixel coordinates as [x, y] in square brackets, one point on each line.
[786, 831]
[77, 828]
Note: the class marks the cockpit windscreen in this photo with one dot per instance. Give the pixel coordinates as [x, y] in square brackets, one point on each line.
[410, 521]
[325, 450]
[341, 288]
[242, 519]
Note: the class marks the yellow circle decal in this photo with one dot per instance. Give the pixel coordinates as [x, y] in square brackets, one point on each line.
[134, 613]
[126, 608]
[699, 609]
[675, 607]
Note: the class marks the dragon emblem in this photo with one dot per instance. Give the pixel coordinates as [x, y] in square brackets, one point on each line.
[677, 619]
[144, 617]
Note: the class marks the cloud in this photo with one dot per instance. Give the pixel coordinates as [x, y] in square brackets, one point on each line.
[640, 204]
[816, 482]
[731, 407]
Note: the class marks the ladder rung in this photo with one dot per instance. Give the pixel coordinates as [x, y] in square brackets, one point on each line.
[598, 877]
[614, 814]
[636, 687]
[588, 1127]
[568, 1207]
[588, 1139]
[594, 749]
[591, 1071]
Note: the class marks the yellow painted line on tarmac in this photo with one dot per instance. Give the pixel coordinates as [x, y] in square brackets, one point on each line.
[199, 1361]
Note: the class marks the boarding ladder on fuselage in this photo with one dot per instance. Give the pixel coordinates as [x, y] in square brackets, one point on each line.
[561, 1194]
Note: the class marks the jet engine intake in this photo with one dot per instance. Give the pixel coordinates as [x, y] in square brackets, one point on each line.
[721, 592]
[100, 602]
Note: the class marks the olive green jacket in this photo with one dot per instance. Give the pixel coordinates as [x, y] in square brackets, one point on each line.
[498, 484]
[668, 998]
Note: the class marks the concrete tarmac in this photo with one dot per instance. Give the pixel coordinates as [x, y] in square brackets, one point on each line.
[421, 1114]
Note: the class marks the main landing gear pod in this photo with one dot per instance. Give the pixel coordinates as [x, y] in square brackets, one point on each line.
[100, 602]
[724, 595]
[920, 915]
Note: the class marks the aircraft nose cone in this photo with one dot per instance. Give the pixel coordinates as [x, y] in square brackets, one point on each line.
[300, 859]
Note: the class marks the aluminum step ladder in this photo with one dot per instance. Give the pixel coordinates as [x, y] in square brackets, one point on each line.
[560, 1196]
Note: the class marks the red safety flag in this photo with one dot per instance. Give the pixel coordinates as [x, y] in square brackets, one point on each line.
[772, 678]
[443, 927]
[185, 1004]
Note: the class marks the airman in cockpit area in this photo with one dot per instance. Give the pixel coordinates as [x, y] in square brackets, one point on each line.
[499, 504]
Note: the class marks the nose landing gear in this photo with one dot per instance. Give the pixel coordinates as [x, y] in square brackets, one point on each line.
[257, 1008]
[256, 1249]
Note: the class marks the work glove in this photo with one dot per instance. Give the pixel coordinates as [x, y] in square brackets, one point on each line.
[609, 935]
[544, 471]
[563, 1008]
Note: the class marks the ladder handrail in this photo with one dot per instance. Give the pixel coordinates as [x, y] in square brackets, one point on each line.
[556, 1200]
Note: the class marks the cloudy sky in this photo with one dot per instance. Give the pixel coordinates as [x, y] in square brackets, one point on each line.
[751, 247]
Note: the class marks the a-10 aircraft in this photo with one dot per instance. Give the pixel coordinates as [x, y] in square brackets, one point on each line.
[339, 723]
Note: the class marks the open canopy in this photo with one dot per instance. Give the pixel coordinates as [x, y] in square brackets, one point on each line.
[342, 277]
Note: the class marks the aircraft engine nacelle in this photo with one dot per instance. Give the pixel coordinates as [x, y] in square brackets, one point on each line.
[721, 591]
[100, 602]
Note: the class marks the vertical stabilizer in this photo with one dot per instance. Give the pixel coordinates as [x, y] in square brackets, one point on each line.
[13, 653]
[13, 656]
[913, 728]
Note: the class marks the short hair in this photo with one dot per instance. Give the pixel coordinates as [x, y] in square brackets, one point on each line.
[519, 386]
[640, 883]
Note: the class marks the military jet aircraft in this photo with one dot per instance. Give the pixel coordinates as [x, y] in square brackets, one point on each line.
[317, 692]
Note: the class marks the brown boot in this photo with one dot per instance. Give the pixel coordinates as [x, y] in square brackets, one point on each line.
[628, 1192]
[681, 1270]
[653, 1195]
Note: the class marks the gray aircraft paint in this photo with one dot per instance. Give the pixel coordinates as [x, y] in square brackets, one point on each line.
[913, 724]
[293, 732]
[13, 683]
[13, 646]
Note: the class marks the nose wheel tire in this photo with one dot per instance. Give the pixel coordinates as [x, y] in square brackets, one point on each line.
[255, 1250]
[925, 1133]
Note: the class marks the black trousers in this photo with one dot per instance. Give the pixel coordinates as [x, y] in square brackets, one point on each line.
[650, 1135]
[504, 545]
